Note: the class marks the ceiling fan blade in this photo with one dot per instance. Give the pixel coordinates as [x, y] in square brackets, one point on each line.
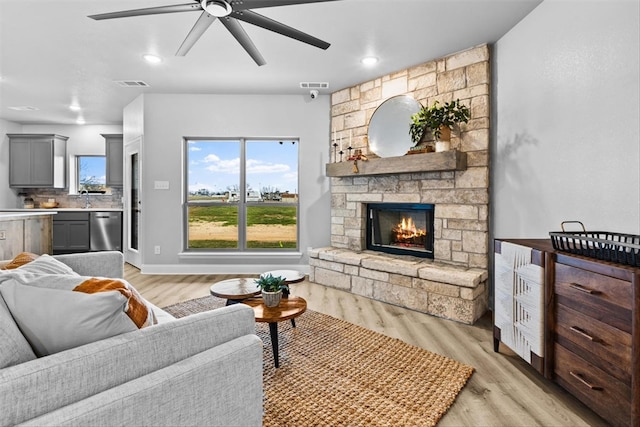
[256, 4]
[238, 32]
[280, 28]
[148, 11]
[196, 32]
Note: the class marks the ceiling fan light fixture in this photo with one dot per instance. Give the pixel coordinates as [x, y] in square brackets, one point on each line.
[217, 8]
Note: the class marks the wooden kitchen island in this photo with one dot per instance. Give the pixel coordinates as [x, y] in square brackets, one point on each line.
[25, 232]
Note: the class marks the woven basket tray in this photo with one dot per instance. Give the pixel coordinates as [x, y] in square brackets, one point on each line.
[603, 245]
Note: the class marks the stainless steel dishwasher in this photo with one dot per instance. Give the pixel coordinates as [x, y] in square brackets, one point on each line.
[105, 229]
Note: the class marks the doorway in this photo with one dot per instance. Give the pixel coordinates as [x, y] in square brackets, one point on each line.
[132, 203]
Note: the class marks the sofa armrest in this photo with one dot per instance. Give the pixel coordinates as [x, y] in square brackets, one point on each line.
[219, 387]
[40, 386]
[96, 264]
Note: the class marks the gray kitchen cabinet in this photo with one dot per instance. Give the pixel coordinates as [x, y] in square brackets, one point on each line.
[37, 160]
[114, 147]
[71, 232]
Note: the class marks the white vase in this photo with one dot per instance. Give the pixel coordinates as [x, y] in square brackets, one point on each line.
[443, 146]
[271, 299]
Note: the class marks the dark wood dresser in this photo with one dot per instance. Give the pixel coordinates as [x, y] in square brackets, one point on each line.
[592, 331]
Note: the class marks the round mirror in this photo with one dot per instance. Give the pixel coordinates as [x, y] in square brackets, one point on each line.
[389, 126]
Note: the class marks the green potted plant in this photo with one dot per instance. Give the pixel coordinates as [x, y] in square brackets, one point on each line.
[272, 289]
[440, 118]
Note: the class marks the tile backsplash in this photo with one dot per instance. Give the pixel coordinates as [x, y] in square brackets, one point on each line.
[66, 200]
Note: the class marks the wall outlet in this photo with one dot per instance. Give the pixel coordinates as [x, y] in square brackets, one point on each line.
[3, 234]
[156, 250]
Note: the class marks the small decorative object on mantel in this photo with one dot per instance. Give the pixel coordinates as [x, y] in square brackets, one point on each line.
[419, 149]
[440, 119]
[272, 288]
[357, 155]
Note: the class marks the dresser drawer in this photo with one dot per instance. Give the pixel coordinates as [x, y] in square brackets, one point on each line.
[598, 296]
[607, 396]
[601, 344]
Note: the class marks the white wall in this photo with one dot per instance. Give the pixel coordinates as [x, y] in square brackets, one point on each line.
[8, 197]
[169, 118]
[566, 142]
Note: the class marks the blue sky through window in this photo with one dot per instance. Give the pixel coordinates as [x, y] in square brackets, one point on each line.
[215, 165]
[92, 169]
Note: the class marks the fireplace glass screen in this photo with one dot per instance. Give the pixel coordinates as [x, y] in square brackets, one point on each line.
[400, 228]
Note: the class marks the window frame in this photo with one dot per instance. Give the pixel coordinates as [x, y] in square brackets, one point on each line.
[242, 202]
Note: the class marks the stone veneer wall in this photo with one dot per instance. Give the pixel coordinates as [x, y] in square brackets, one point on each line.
[453, 285]
[461, 197]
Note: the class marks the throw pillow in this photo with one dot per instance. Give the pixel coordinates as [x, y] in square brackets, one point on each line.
[46, 264]
[136, 307]
[20, 260]
[14, 348]
[54, 320]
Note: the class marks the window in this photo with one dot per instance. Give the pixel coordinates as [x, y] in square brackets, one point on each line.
[91, 173]
[219, 216]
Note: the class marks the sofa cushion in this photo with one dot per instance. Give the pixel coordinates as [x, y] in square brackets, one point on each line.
[54, 320]
[46, 264]
[14, 348]
[20, 260]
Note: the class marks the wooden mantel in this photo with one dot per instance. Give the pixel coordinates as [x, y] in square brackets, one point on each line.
[427, 162]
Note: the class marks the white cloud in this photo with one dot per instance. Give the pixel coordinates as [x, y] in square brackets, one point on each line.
[258, 166]
[224, 166]
[211, 158]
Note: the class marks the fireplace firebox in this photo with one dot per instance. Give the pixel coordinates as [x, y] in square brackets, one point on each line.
[400, 228]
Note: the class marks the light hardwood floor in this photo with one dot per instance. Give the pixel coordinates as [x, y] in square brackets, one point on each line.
[503, 391]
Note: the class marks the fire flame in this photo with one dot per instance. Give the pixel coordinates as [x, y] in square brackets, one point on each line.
[407, 231]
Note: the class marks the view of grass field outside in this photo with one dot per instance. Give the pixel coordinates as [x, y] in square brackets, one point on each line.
[264, 216]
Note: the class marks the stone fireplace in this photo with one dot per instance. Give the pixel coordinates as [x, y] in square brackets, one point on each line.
[453, 284]
[400, 228]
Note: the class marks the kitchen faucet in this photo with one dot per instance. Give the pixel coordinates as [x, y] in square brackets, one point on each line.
[87, 203]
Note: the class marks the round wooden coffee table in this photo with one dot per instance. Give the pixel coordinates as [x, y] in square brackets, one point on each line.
[289, 309]
[235, 290]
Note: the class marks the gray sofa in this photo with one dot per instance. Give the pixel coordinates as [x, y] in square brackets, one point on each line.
[203, 369]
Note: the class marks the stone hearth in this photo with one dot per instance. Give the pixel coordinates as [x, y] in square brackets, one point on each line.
[443, 290]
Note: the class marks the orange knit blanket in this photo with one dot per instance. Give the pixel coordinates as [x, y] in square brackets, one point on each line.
[136, 308]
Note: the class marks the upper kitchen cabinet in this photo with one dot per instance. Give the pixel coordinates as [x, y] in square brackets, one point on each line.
[115, 160]
[37, 160]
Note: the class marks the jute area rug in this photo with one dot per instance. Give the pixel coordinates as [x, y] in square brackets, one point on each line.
[334, 373]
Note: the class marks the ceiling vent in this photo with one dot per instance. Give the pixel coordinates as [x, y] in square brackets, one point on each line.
[314, 85]
[131, 83]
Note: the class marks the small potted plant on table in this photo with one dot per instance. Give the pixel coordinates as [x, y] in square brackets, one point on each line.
[272, 289]
[440, 119]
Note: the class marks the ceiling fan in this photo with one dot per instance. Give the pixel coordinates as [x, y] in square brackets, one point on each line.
[229, 12]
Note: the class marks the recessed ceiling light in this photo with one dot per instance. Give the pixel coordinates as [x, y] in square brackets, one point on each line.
[74, 107]
[369, 60]
[152, 59]
[80, 121]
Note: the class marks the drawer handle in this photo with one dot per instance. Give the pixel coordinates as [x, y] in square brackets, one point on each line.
[582, 333]
[583, 381]
[581, 288]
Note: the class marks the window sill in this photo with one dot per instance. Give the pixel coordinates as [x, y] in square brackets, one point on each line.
[235, 255]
